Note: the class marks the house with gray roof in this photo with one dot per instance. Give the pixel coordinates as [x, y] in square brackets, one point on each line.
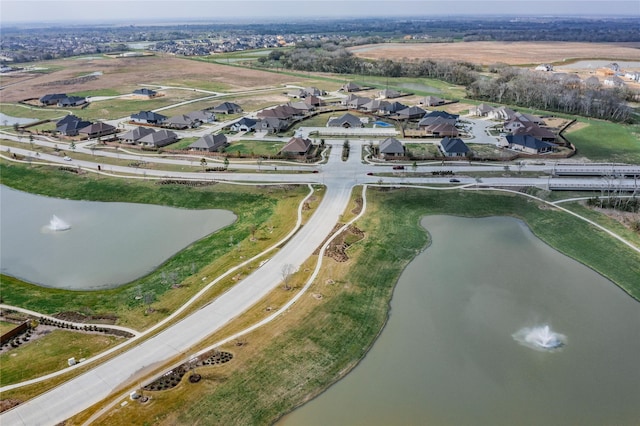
[148, 117]
[145, 93]
[410, 113]
[296, 146]
[374, 106]
[227, 108]
[437, 117]
[388, 94]
[481, 110]
[453, 147]
[203, 116]
[158, 139]
[271, 125]
[132, 136]
[528, 144]
[71, 101]
[245, 124]
[209, 143]
[70, 125]
[97, 130]
[350, 87]
[501, 113]
[181, 122]
[346, 120]
[390, 148]
[432, 101]
[392, 108]
[52, 98]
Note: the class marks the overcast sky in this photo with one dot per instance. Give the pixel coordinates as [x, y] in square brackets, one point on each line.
[139, 11]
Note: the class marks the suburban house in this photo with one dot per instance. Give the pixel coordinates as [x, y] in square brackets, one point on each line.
[145, 93]
[282, 112]
[71, 101]
[148, 117]
[528, 144]
[158, 139]
[432, 101]
[302, 106]
[393, 108]
[97, 130]
[374, 105]
[388, 94]
[52, 99]
[390, 147]
[440, 128]
[437, 117]
[132, 136]
[537, 132]
[314, 101]
[182, 122]
[306, 92]
[357, 102]
[481, 110]
[296, 146]
[70, 125]
[227, 108]
[245, 124]
[209, 143]
[501, 113]
[410, 113]
[453, 147]
[350, 87]
[271, 125]
[203, 116]
[346, 120]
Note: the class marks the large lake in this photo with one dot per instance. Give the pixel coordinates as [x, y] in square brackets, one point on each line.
[108, 244]
[447, 355]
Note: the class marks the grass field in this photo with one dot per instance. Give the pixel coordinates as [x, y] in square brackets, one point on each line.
[252, 147]
[605, 141]
[50, 353]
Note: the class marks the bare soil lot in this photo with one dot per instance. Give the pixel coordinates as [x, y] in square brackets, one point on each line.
[127, 74]
[512, 53]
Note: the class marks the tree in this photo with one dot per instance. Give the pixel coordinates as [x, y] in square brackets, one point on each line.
[226, 163]
[148, 299]
[203, 163]
[414, 167]
[72, 146]
[286, 271]
[259, 161]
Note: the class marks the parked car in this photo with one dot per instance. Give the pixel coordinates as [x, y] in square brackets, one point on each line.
[370, 174]
[66, 158]
[398, 167]
[454, 180]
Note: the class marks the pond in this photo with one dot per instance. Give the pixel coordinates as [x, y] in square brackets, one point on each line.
[83, 245]
[452, 351]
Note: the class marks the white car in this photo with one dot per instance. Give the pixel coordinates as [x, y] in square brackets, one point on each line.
[66, 158]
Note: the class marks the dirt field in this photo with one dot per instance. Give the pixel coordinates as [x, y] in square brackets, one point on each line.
[126, 74]
[512, 53]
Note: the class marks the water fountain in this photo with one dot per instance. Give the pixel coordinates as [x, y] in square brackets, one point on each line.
[540, 338]
[57, 224]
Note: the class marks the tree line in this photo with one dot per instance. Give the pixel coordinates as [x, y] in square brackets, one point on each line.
[505, 84]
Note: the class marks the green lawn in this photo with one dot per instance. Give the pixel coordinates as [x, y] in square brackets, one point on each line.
[23, 111]
[251, 147]
[50, 353]
[605, 141]
[6, 326]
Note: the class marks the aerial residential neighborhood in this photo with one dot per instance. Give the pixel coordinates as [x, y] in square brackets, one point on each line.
[213, 213]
